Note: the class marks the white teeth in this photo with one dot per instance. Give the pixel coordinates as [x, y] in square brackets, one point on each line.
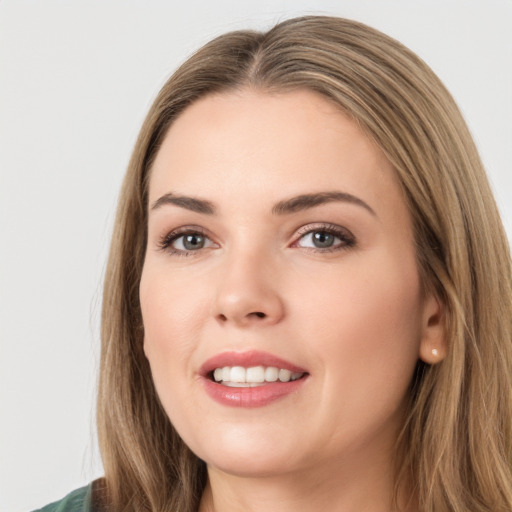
[285, 375]
[271, 374]
[255, 374]
[238, 376]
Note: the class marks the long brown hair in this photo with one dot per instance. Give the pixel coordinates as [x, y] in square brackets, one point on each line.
[456, 443]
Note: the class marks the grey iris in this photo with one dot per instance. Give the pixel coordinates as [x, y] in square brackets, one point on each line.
[321, 239]
[193, 242]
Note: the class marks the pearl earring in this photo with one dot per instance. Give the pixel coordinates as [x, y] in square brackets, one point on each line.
[435, 352]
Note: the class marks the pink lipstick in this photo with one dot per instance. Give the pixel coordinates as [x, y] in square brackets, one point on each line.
[250, 379]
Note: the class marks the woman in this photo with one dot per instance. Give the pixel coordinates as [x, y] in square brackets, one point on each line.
[308, 297]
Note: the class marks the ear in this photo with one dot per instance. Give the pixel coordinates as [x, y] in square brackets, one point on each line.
[433, 346]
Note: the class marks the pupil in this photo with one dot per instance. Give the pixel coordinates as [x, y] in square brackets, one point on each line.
[192, 242]
[322, 239]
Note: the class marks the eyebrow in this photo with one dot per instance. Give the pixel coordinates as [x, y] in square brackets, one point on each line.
[285, 207]
[189, 203]
[305, 201]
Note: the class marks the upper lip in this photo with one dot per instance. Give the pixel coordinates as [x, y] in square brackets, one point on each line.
[247, 359]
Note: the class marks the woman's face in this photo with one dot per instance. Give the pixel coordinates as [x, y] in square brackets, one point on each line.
[280, 247]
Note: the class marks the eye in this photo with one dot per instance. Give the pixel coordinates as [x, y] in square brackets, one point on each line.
[325, 238]
[318, 239]
[185, 242]
[189, 242]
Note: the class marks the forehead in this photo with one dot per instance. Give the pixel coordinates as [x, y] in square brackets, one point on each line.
[250, 143]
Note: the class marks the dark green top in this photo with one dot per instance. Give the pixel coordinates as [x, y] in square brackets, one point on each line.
[76, 501]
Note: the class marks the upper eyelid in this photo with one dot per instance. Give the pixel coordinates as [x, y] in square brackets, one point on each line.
[325, 226]
[184, 230]
[311, 226]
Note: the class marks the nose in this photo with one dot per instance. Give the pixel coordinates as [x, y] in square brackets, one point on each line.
[248, 293]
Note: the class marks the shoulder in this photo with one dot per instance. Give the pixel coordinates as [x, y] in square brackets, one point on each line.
[76, 501]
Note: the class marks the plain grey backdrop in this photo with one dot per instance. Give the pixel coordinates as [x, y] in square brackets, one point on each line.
[76, 79]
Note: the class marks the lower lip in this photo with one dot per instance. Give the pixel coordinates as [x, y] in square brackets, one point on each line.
[257, 396]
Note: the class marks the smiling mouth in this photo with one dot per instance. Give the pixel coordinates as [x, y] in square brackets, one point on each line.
[241, 377]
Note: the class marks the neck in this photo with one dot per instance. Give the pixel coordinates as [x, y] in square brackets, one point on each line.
[364, 487]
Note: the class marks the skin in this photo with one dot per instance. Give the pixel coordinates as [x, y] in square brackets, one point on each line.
[353, 316]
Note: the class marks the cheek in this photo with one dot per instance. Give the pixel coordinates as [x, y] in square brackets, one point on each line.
[367, 327]
[172, 313]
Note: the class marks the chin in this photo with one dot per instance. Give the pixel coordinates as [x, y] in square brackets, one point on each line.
[251, 452]
[251, 466]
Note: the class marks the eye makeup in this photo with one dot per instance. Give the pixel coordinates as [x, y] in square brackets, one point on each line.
[316, 237]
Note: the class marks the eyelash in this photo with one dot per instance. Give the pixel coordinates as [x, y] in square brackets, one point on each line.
[347, 239]
[166, 241]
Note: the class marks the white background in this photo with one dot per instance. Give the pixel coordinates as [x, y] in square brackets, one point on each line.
[76, 78]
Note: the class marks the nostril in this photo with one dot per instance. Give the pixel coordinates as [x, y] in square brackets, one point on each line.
[259, 314]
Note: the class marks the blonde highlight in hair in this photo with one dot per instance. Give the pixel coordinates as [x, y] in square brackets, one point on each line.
[456, 443]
